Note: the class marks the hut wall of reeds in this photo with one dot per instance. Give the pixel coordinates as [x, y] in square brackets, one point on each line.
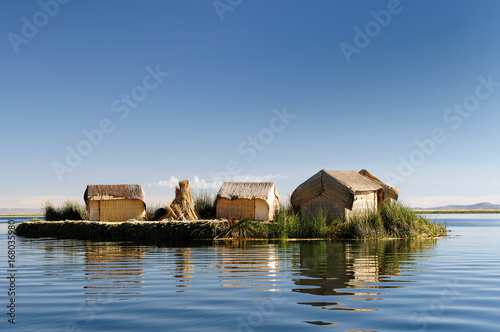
[115, 202]
[252, 200]
[341, 193]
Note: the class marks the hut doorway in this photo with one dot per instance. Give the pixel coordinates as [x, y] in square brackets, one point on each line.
[94, 210]
[261, 210]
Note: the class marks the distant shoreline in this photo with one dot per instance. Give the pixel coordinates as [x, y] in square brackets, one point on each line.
[22, 215]
[456, 211]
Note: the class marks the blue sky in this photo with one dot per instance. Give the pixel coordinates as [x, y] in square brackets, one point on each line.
[252, 90]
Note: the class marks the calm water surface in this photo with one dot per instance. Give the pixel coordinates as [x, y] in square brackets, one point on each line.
[448, 284]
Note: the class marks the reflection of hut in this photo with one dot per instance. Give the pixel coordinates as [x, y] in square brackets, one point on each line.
[366, 269]
[341, 193]
[115, 202]
[113, 271]
[253, 200]
[324, 268]
[258, 271]
[183, 267]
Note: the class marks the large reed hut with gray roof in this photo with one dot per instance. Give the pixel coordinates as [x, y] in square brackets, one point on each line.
[253, 200]
[115, 202]
[341, 193]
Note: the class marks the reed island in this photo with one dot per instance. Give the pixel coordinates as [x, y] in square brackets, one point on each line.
[329, 205]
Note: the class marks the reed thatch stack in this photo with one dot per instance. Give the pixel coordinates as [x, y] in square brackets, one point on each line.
[182, 207]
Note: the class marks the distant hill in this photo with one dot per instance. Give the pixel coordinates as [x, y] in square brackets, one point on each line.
[478, 206]
[21, 211]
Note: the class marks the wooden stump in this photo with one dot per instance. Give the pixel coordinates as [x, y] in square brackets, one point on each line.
[182, 207]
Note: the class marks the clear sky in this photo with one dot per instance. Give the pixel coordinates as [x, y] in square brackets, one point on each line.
[147, 92]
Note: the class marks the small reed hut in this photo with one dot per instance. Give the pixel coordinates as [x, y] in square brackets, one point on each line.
[253, 200]
[341, 193]
[115, 202]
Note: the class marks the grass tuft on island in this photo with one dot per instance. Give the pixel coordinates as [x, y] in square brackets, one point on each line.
[68, 211]
[392, 220]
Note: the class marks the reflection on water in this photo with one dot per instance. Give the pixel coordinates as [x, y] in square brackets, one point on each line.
[113, 271]
[332, 268]
[396, 285]
[255, 267]
[183, 268]
[116, 271]
[328, 276]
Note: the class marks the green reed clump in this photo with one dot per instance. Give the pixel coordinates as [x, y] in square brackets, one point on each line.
[70, 210]
[314, 225]
[285, 225]
[204, 205]
[362, 226]
[398, 217]
[288, 224]
[246, 229]
[392, 220]
[51, 213]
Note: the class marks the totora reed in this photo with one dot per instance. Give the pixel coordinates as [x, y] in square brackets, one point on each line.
[392, 220]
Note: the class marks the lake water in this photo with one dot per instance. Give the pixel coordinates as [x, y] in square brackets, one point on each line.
[447, 284]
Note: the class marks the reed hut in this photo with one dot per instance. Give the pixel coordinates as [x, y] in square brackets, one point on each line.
[341, 193]
[253, 200]
[115, 202]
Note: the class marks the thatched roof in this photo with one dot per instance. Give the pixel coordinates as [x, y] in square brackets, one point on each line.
[107, 192]
[249, 190]
[389, 192]
[339, 186]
